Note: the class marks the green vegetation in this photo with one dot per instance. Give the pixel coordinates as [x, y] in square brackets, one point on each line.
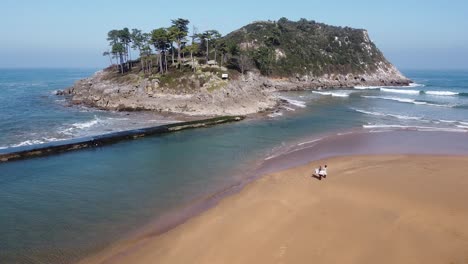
[286, 48]
[280, 48]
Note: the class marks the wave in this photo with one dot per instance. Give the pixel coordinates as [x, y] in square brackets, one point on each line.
[368, 87]
[417, 128]
[87, 124]
[31, 142]
[406, 100]
[297, 103]
[416, 85]
[275, 114]
[412, 85]
[440, 93]
[333, 94]
[288, 108]
[401, 91]
[309, 142]
[390, 115]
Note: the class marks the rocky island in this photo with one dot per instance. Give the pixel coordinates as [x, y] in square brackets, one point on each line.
[238, 74]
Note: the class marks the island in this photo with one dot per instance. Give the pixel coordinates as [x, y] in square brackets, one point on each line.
[207, 74]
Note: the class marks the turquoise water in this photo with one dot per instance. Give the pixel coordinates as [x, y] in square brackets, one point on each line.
[60, 208]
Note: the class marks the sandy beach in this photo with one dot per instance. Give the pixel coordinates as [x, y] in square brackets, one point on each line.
[370, 209]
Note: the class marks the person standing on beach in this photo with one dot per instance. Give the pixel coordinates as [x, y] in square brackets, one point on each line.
[323, 172]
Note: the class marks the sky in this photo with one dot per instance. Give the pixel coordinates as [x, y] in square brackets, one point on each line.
[72, 33]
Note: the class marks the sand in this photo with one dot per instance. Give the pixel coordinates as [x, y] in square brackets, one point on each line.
[370, 209]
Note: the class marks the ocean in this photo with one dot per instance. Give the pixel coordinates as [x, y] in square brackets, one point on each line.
[60, 208]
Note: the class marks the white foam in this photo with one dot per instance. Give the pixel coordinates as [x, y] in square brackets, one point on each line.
[31, 142]
[28, 143]
[412, 85]
[405, 100]
[288, 108]
[448, 121]
[418, 128]
[309, 142]
[87, 124]
[416, 85]
[401, 91]
[441, 93]
[391, 115]
[297, 103]
[368, 87]
[275, 114]
[333, 94]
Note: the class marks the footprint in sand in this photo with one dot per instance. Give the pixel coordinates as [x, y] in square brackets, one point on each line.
[282, 253]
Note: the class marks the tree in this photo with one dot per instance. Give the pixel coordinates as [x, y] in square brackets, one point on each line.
[222, 47]
[172, 32]
[182, 31]
[192, 49]
[118, 49]
[216, 37]
[113, 36]
[126, 38]
[207, 36]
[139, 40]
[145, 57]
[264, 58]
[160, 40]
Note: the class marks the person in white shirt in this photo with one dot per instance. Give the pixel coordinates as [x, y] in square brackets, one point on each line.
[323, 171]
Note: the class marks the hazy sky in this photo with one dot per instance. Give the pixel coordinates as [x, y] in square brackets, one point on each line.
[72, 33]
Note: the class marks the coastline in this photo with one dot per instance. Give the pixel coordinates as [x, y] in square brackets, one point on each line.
[298, 217]
[249, 94]
[277, 165]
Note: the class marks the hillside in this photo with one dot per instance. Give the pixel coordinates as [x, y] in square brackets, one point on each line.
[286, 48]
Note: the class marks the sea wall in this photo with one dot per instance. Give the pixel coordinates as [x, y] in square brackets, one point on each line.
[21, 153]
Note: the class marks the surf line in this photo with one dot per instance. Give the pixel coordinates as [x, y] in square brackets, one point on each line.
[20, 153]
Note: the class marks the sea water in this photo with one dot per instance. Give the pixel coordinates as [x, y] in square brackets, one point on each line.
[60, 208]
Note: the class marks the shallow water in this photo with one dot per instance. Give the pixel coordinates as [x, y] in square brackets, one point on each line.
[60, 208]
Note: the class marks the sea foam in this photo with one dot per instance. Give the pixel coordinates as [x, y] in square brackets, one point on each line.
[297, 103]
[417, 128]
[333, 94]
[401, 91]
[406, 100]
[441, 93]
[390, 115]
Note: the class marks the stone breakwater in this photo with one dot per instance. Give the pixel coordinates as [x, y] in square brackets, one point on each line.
[248, 94]
[21, 153]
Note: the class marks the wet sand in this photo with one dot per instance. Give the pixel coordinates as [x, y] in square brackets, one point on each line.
[370, 209]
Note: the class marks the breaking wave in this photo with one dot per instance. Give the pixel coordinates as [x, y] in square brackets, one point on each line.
[297, 103]
[333, 94]
[407, 100]
[416, 128]
[390, 115]
[400, 91]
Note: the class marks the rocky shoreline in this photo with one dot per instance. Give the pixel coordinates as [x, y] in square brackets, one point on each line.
[248, 94]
